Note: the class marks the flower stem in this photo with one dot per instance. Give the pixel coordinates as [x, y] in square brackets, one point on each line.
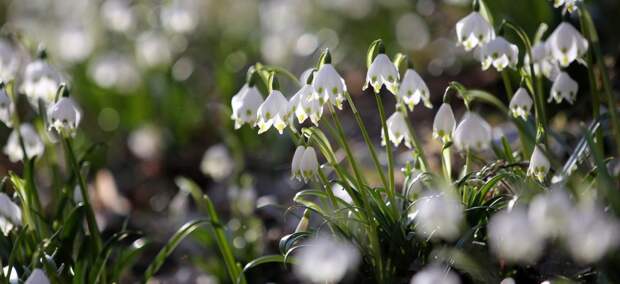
[388, 149]
[507, 84]
[345, 145]
[416, 141]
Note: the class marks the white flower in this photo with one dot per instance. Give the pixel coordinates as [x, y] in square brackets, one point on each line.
[217, 162]
[341, 193]
[245, 106]
[12, 276]
[473, 133]
[438, 216]
[37, 276]
[564, 88]
[508, 280]
[382, 72]
[521, 104]
[308, 106]
[569, 5]
[272, 112]
[10, 60]
[444, 123]
[544, 64]
[513, 238]
[309, 165]
[434, 274]
[32, 142]
[41, 83]
[566, 44]
[296, 163]
[591, 234]
[326, 260]
[473, 31]
[413, 89]
[500, 53]
[549, 213]
[539, 165]
[329, 85]
[397, 130]
[7, 108]
[10, 214]
[64, 116]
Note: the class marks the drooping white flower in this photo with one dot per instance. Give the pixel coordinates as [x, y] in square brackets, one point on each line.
[500, 53]
[592, 234]
[329, 85]
[564, 88]
[413, 89]
[566, 44]
[217, 162]
[544, 64]
[473, 133]
[32, 142]
[309, 165]
[296, 163]
[569, 5]
[272, 112]
[438, 216]
[64, 116]
[434, 274]
[521, 104]
[539, 165]
[326, 260]
[513, 238]
[444, 123]
[37, 276]
[382, 72]
[7, 108]
[549, 213]
[41, 83]
[341, 193]
[10, 60]
[473, 31]
[397, 130]
[10, 214]
[309, 106]
[245, 106]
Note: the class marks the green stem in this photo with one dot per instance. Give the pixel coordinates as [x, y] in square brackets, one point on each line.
[416, 142]
[342, 138]
[507, 84]
[509, 93]
[388, 148]
[446, 163]
[328, 188]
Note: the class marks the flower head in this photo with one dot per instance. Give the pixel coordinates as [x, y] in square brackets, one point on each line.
[296, 163]
[444, 123]
[413, 89]
[326, 260]
[544, 64]
[64, 116]
[564, 88]
[521, 104]
[7, 108]
[10, 214]
[473, 31]
[309, 165]
[32, 142]
[592, 234]
[245, 106]
[473, 133]
[549, 213]
[438, 216]
[382, 72]
[37, 276]
[566, 44]
[513, 238]
[272, 112]
[329, 86]
[569, 5]
[433, 274]
[308, 106]
[539, 165]
[500, 53]
[41, 83]
[397, 130]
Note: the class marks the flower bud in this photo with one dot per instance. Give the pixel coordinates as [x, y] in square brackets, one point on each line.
[521, 104]
[329, 86]
[473, 31]
[32, 142]
[539, 165]
[413, 89]
[245, 106]
[500, 53]
[473, 133]
[564, 88]
[64, 116]
[309, 164]
[272, 112]
[444, 123]
[382, 72]
[397, 130]
[566, 44]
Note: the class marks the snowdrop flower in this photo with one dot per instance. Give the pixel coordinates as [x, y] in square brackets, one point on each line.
[397, 130]
[566, 44]
[341, 193]
[291, 109]
[217, 162]
[543, 63]
[32, 142]
[10, 60]
[245, 106]
[564, 88]
[309, 165]
[549, 213]
[326, 260]
[272, 112]
[473, 31]
[444, 123]
[438, 216]
[382, 72]
[513, 238]
[473, 133]
[500, 53]
[329, 86]
[296, 163]
[539, 165]
[521, 104]
[413, 89]
[434, 274]
[7, 107]
[41, 82]
[10, 214]
[64, 116]
[569, 5]
[308, 106]
[37, 276]
[591, 234]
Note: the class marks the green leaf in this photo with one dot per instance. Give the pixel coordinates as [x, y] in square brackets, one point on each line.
[372, 51]
[274, 258]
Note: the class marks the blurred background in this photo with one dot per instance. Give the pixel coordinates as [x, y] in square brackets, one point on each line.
[155, 79]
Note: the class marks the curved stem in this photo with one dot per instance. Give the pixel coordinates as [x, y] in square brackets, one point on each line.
[388, 148]
[412, 134]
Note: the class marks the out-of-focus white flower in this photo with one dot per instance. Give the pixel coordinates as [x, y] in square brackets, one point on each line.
[12, 276]
[413, 89]
[341, 193]
[74, 44]
[539, 165]
[296, 163]
[329, 85]
[473, 133]
[569, 5]
[117, 15]
[326, 260]
[592, 234]
[521, 104]
[500, 53]
[434, 274]
[512, 237]
[397, 130]
[41, 82]
[217, 162]
[564, 88]
[10, 60]
[7, 108]
[549, 213]
[309, 165]
[544, 64]
[180, 16]
[438, 216]
[153, 49]
[444, 123]
[64, 116]
[10, 214]
[272, 112]
[146, 142]
[473, 31]
[32, 142]
[37, 276]
[566, 44]
[245, 106]
[114, 71]
[508, 280]
[382, 72]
